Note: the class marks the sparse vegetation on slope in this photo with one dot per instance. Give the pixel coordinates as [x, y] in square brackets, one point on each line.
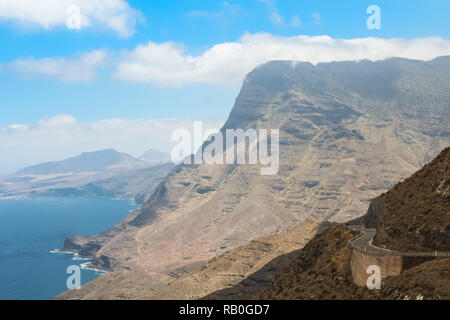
[321, 271]
[416, 212]
[239, 273]
[413, 215]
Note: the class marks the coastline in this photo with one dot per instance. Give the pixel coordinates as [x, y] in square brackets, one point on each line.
[77, 257]
[46, 222]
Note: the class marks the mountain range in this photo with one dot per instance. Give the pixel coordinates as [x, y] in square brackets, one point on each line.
[349, 131]
[105, 173]
[85, 162]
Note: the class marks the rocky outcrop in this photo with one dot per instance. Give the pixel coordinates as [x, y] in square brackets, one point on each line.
[373, 216]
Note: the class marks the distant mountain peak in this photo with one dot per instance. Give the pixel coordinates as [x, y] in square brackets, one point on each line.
[92, 161]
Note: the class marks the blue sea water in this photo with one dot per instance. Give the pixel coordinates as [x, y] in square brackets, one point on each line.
[30, 229]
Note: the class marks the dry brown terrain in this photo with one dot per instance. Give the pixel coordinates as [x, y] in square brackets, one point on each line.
[348, 132]
[257, 262]
[416, 215]
[282, 267]
[416, 205]
[322, 271]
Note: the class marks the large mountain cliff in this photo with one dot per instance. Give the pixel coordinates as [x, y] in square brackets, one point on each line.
[348, 132]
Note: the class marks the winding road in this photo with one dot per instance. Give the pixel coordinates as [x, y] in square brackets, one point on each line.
[364, 242]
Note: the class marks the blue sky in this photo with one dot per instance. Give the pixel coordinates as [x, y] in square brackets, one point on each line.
[197, 25]
[184, 59]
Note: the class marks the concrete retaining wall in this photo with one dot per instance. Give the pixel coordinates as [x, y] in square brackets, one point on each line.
[390, 265]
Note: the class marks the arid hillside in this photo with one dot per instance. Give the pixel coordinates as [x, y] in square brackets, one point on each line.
[322, 271]
[348, 132]
[257, 262]
[415, 216]
[281, 266]
[416, 212]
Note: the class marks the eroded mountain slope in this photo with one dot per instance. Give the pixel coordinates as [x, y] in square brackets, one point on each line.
[348, 132]
[413, 216]
[257, 262]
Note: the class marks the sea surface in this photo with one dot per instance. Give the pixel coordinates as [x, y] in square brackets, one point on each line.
[30, 231]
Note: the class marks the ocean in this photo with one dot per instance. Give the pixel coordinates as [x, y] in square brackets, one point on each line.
[31, 229]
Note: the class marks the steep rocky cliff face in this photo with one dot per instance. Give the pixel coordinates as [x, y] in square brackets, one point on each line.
[348, 132]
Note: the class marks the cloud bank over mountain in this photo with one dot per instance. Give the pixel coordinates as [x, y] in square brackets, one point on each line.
[167, 64]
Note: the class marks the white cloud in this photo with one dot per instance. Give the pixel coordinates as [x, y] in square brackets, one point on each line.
[63, 136]
[167, 64]
[115, 15]
[80, 69]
